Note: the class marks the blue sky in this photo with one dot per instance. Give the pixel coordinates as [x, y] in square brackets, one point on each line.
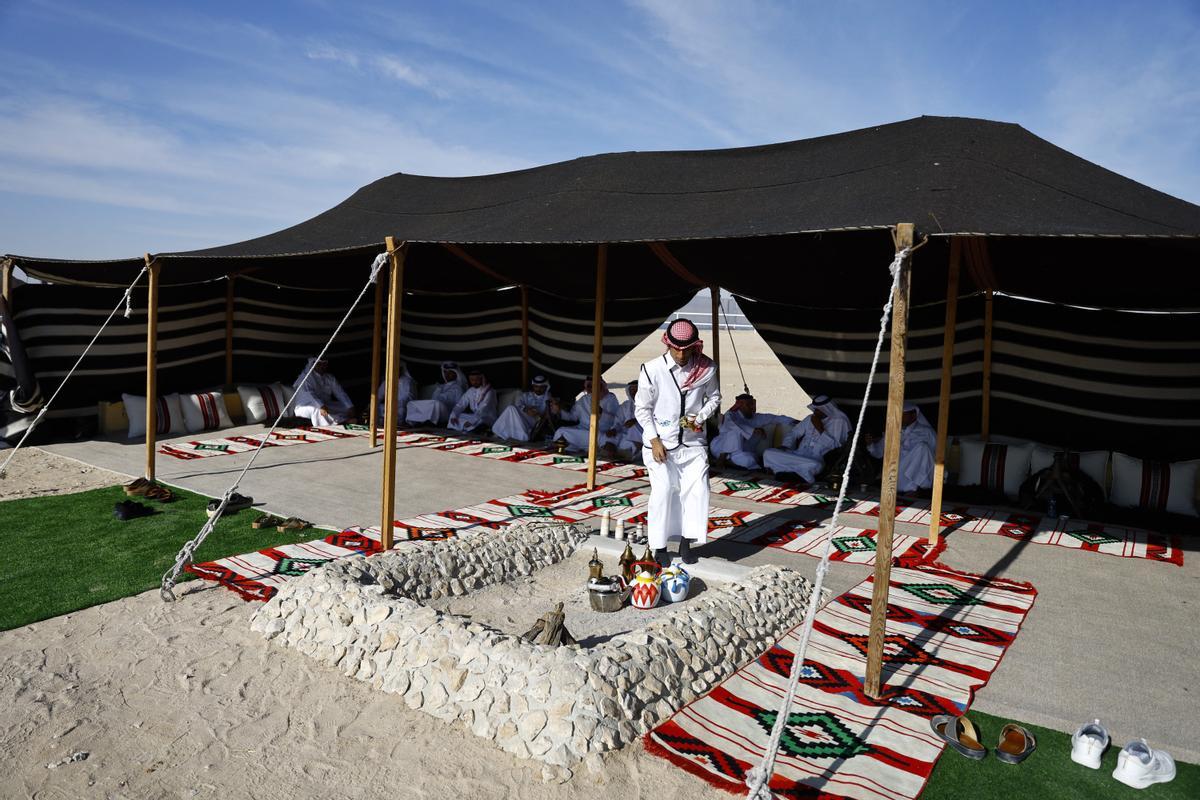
[128, 127]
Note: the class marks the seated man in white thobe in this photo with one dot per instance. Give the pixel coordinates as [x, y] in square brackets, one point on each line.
[807, 443]
[477, 407]
[320, 399]
[629, 442]
[406, 390]
[576, 436]
[677, 393]
[742, 432]
[917, 442]
[436, 410]
[516, 423]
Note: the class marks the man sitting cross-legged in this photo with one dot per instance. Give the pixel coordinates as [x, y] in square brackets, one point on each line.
[917, 442]
[477, 407]
[517, 422]
[742, 432]
[807, 443]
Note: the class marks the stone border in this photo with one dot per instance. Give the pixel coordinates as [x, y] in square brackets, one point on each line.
[558, 705]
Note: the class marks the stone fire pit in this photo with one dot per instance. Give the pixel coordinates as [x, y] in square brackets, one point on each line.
[372, 619]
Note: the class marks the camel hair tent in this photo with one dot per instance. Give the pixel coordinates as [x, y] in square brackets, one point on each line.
[1026, 218]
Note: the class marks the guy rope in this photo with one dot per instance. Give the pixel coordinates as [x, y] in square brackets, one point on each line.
[759, 777]
[189, 550]
[128, 303]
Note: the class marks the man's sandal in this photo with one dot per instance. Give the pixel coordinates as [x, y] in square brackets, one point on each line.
[160, 493]
[959, 733]
[267, 521]
[292, 524]
[137, 487]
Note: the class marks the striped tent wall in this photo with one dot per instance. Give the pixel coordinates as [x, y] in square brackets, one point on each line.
[1072, 377]
[56, 322]
[275, 330]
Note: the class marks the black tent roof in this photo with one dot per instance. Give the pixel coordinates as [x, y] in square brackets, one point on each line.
[745, 218]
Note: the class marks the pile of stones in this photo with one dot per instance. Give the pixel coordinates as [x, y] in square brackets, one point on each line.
[559, 705]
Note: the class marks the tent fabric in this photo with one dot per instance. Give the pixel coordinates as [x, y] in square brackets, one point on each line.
[780, 202]
[277, 328]
[1071, 377]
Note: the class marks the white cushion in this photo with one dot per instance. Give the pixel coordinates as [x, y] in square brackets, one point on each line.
[1154, 485]
[1093, 463]
[169, 419]
[994, 466]
[262, 403]
[204, 411]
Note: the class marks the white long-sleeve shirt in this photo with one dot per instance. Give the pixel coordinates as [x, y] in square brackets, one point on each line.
[661, 402]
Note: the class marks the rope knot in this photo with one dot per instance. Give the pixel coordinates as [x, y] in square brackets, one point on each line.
[380, 260]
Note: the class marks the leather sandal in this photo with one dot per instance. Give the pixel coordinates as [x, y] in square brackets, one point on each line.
[267, 521]
[292, 524]
[1016, 743]
[137, 487]
[160, 493]
[959, 733]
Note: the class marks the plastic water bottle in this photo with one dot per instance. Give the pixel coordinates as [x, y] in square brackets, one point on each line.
[1052, 507]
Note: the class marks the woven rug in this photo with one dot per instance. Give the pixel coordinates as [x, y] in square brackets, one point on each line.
[543, 458]
[1077, 534]
[769, 490]
[850, 544]
[946, 633]
[232, 445]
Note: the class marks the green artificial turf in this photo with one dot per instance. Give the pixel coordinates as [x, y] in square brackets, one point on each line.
[68, 552]
[1048, 773]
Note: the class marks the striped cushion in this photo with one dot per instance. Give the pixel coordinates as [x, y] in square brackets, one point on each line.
[204, 411]
[262, 403]
[1093, 463]
[1000, 468]
[1154, 485]
[168, 418]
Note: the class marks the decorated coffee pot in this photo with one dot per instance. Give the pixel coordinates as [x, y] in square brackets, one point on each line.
[675, 583]
[645, 588]
[626, 563]
[595, 566]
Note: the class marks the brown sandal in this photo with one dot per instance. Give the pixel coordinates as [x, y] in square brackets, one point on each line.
[160, 493]
[138, 487]
[293, 524]
[267, 521]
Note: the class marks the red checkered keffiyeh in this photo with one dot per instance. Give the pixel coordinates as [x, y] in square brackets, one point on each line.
[682, 334]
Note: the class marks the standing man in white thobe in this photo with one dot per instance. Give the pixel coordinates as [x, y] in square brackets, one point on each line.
[436, 410]
[518, 420]
[629, 444]
[576, 436]
[321, 399]
[743, 430]
[677, 393]
[806, 445]
[477, 407]
[406, 391]
[917, 442]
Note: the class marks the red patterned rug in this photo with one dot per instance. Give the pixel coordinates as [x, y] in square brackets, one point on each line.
[946, 633]
[852, 545]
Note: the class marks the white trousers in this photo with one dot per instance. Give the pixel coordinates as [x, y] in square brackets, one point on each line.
[337, 413]
[577, 438]
[678, 495]
[916, 469]
[431, 411]
[514, 424]
[779, 460]
[466, 423]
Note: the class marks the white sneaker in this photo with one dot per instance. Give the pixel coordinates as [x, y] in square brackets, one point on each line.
[1088, 744]
[1139, 766]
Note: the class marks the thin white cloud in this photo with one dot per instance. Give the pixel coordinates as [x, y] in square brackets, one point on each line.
[396, 69]
[321, 51]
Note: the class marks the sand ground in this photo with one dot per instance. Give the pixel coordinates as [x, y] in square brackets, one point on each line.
[183, 700]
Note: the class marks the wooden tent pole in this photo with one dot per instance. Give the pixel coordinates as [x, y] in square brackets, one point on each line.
[597, 352]
[229, 331]
[6, 282]
[891, 468]
[943, 421]
[391, 392]
[376, 328]
[151, 364]
[986, 422]
[524, 338]
[715, 291]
